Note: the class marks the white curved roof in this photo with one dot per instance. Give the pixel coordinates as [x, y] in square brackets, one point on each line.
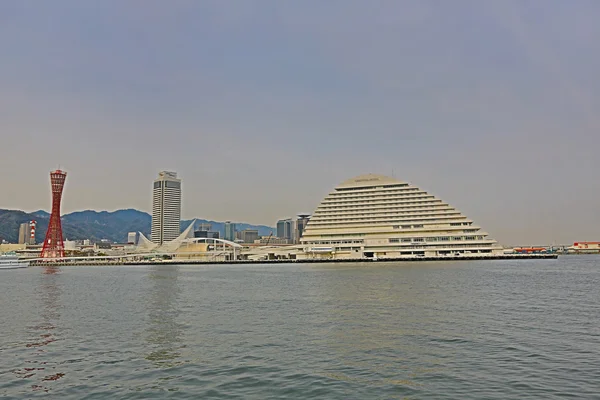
[146, 245]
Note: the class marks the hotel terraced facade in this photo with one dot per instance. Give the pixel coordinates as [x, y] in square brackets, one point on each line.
[375, 216]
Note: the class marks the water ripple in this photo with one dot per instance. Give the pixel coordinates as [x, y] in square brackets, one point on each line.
[493, 330]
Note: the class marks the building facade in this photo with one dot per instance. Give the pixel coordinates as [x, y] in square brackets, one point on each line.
[207, 234]
[249, 235]
[204, 226]
[229, 231]
[286, 229]
[270, 240]
[24, 233]
[166, 207]
[27, 233]
[300, 226]
[584, 247]
[132, 237]
[374, 216]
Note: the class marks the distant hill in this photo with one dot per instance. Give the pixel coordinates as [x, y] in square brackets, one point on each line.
[9, 224]
[105, 225]
[97, 225]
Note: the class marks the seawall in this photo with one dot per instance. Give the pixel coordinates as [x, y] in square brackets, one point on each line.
[65, 262]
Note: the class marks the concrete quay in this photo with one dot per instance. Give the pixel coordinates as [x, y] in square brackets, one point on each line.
[92, 262]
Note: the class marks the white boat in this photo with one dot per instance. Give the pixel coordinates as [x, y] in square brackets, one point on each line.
[12, 261]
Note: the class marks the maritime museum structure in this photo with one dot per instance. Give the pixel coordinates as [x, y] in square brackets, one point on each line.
[375, 216]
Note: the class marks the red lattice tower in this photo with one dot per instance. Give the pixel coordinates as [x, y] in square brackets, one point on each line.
[54, 246]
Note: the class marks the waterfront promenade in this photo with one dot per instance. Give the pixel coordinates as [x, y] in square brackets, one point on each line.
[138, 260]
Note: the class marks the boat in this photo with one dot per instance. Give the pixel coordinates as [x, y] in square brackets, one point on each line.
[12, 261]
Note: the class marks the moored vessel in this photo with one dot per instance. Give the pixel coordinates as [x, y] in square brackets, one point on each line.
[12, 261]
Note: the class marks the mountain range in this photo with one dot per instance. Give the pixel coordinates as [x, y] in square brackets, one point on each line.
[98, 225]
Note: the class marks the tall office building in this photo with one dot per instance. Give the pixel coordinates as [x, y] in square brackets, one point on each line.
[132, 237]
[229, 233]
[204, 226]
[249, 235]
[166, 207]
[27, 232]
[285, 229]
[300, 226]
[205, 231]
[24, 233]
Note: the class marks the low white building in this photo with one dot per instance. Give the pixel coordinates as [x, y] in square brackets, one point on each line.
[585, 248]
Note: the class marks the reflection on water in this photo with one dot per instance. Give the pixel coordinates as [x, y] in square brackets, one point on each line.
[43, 333]
[451, 331]
[392, 321]
[164, 332]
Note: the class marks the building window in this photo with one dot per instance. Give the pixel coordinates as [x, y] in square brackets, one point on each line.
[171, 184]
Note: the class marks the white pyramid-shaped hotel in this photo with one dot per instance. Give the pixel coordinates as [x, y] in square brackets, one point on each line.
[381, 217]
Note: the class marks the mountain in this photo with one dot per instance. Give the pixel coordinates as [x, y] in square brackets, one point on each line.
[41, 214]
[113, 226]
[97, 225]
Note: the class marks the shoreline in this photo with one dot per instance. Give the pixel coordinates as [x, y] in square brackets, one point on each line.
[67, 262]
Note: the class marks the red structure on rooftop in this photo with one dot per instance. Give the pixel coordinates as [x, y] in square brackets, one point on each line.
[54, 246]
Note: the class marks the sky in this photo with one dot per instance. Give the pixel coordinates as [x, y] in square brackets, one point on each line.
[262, 107]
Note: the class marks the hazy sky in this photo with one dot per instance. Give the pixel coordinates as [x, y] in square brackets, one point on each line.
[262, 107]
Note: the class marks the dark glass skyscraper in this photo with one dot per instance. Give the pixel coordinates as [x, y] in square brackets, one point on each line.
[229, 233]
